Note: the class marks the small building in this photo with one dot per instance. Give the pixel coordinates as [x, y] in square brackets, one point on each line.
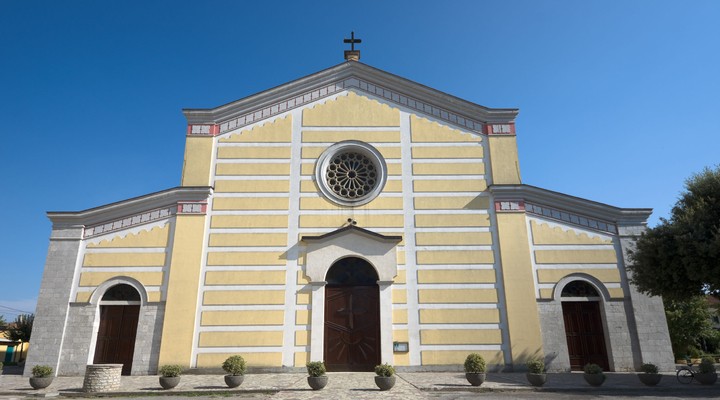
[351, 216]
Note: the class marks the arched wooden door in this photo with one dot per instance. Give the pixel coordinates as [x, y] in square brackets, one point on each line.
[583, 326]
[352, 316]
[119, 312]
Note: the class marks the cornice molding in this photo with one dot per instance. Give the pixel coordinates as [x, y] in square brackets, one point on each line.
[571, 209]
[348, 75]
[130, 212]
[352, 229]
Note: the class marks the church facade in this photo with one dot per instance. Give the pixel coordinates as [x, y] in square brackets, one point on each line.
[354, 217]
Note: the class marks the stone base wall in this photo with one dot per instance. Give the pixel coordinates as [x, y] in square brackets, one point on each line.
[102, 378]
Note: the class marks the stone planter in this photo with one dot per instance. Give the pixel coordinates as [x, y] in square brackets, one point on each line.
[40, 382]
[650, 379]
[317, 382]
[475, 379]
[536, 379]
[102, 378]
[234, 381]
[169, 382]
[708, 378]
[594, 379]
[385, 382]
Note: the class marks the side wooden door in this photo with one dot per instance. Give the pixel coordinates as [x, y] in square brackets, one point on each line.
[116, 336]
[585, 334]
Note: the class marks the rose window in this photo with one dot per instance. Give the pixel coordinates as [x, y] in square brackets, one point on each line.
[351, 173]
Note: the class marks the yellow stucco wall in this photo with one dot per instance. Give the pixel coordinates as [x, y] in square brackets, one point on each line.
[277, 131]
[198, 158]
[504, 159]
[351, 110]
[423, 130]
[544, 234]
[155, 237]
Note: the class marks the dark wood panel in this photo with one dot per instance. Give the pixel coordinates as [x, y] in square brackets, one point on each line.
[116, 336]
[352, 328]
[585, 334]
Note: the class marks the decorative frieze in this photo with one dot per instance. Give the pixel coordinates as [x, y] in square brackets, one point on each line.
[500, 129]
[329, 90]
[203, 130]
[509, 206]
[129, 222]
[194, 207]
[576, 219]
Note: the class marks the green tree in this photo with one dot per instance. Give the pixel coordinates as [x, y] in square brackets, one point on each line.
[680, 257]
[688, 322]
[3, 323]
[21, 328]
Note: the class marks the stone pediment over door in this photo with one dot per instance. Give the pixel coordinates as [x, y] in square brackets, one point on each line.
[351, 241]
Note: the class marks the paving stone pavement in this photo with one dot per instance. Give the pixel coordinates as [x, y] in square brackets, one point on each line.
[354, 385]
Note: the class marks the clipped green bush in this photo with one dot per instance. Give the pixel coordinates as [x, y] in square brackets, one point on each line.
[170, 371]
[316, 368]
[707, 365]
[649, 368]
[593, 369]
[235, 365]
[536, 366]
[474, 364]
[42, 371]
[384, 370]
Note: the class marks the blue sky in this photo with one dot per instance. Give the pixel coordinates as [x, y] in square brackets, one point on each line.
[619, 101]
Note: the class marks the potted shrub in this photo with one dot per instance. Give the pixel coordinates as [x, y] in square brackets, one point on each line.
[317, 379]
[475, 369]
[235, 367]
[594, 375]
[385, 378]
[42, 376]
[169, 376]
[536, 372]
[649, 374]
[706, 374]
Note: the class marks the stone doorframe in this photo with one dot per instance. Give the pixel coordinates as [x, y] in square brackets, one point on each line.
[323, 251]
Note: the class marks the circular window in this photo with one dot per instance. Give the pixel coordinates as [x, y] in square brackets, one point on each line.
[350, 173]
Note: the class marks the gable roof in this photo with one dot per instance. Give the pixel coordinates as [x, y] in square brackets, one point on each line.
[349, 75]
[353, 229]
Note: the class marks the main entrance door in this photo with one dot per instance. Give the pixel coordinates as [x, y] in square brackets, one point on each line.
[584, 333]
[118, 328]
[352, 317]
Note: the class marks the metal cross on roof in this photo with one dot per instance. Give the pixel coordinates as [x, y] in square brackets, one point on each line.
[352, 41]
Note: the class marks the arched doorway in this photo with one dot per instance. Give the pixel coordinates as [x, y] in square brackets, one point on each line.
[119, 312]
[352, 316]
[583, 325]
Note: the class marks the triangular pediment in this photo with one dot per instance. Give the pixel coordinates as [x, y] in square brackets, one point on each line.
[348, 76]
[352, 230]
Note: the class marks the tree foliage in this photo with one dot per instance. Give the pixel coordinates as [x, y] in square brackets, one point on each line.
[688, 322]
[681, 256]
[22, 327]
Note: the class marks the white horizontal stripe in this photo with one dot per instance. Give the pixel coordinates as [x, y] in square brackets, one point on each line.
[451, 248]
[243, 249]
[577, 266]
[251, 195]
[251, 178]
[238, 307]
[574, 247]
[252, 144]
[245, 268]
[235, 328]
[456, 286]
[430, 327]
[92, 288]
[447, 177]
[254, 161]
[455, 229]
[144, 250]
[460, 347]
[447, 144]
[459, 306]
[448, 161]
[317, 195]
[451, 212]
[350, 128]
[240, 288]
[250, 212]
[301, 348]
[335, 212]
[322, 231]
[457, 266]
[248, 230]
[377, 145]
[449, 194]
[123, 269]
[269, 349]
[552, 285]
